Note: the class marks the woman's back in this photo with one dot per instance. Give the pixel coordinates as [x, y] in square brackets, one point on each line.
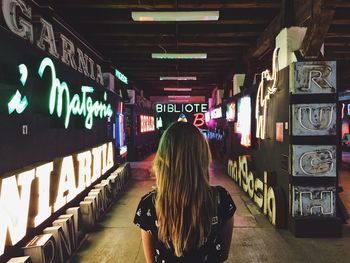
[182, 220]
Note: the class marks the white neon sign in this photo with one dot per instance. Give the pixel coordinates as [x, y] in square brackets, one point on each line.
[216, 113]
[244, 121]
[265, 91]
[121, 76]
[16, 191]
[77, 105]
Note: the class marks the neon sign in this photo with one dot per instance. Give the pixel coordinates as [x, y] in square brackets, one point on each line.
[231, 111]
[199, 119]
[146, 123]
[17, 103]
[121, 76]
[178, 108]
[119, 130]
[159, 122]
[264, 94]
[216, 113]
[207, 116]
[259, 191]
[244, 120]
[20, 20]
[82, 105]
[75, 173]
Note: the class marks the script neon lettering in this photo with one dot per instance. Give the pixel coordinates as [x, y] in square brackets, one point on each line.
[81, 105]
[198, 119]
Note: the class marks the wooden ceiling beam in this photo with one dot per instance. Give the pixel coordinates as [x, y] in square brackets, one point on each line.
[321, 19]
[239, 4]
[174, 44]
[304, 15]
[248, 21]
[93, 34]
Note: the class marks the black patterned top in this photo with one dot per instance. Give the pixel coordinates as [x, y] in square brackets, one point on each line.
[146, 219]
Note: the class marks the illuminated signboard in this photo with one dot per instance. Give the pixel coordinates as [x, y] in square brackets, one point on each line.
[181, 108]
[121, 76]
[146, 123]
[170, 112]
[67, 177]
[231, 111]
[120, 132]
[159, 122]
[244, 120]
[216, 113]
[207, 116]
[258, 189]
[61, 103]
[79, 104]
[17, 103]
[19, 18]
[267, 87]
[348, 111]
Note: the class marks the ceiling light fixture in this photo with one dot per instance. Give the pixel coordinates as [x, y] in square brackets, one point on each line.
[179, 55]
[175, 97]
[175, 16]
[179, 78]
[177, 89]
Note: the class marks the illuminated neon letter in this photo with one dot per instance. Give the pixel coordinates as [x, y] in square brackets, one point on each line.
[66, 183]
[43, 173]
[17, 103]
[14, 207]
[25, 30]
[198, 119]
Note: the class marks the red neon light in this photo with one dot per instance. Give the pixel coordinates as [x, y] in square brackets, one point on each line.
[342, 110]
[199, 119]
[146, 123]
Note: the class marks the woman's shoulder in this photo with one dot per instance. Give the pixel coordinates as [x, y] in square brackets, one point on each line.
[149, 197]
[226, 206]
[221, 190]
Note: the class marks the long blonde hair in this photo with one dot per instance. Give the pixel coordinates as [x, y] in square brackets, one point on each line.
[184, 200]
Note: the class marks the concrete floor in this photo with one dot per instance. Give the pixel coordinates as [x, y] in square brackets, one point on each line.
[116, 239]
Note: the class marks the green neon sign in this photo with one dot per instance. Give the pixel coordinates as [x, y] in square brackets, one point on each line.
[80, 104]
[17, 103]
[121, 76]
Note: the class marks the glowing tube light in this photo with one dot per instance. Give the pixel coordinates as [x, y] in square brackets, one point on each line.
[179, 55]
[176, 16]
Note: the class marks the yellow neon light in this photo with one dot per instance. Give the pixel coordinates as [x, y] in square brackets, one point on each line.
[263, 96]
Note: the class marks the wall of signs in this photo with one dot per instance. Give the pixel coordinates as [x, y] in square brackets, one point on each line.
[57, 122]
[313, 150]
[170, 112]
[299, 158]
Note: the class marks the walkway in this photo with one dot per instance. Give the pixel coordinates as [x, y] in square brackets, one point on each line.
[116, 239]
